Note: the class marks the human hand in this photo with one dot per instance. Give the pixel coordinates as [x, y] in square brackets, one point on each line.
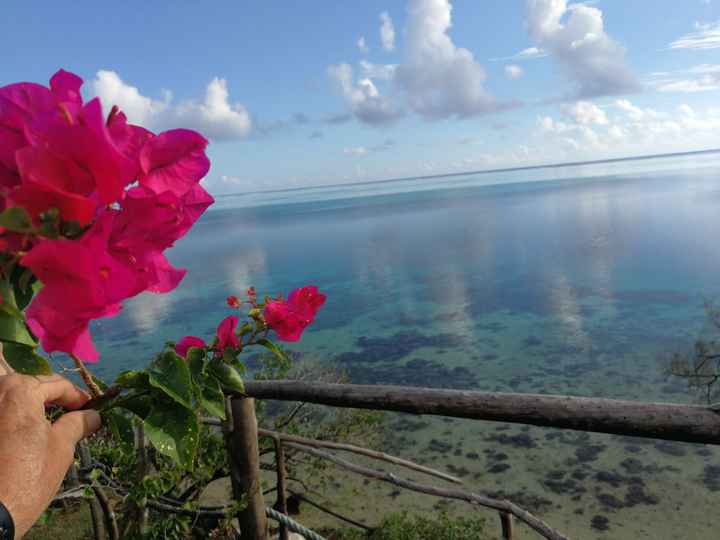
[35, 454]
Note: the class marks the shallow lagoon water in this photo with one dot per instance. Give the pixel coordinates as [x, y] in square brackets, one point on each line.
[580, 280]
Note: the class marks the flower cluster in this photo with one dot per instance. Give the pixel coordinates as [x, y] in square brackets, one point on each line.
[101, 200]
[287, 318]
[290, 317]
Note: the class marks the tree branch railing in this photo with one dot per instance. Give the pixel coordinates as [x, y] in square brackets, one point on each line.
[502, 506]
[676, 422]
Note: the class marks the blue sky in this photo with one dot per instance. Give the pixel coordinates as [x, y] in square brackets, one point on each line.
[289, 96]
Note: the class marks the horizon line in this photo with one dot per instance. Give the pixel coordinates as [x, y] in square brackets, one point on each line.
[479, 171]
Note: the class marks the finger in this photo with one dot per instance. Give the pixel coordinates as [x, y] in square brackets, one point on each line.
[75, 426]
[58, 390]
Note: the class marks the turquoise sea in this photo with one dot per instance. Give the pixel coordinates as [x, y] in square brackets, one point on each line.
[581, 279]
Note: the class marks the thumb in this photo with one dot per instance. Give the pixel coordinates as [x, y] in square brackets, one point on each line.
[76, 425]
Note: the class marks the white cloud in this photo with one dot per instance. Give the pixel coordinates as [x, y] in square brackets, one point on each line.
[139, 109]
[585, 112]
[635, 113]
[702, 84]
[362, 45]
[525, 54]
[387, 144]
[686, 111]
[355, 151]
[637, 131]
[214, 116]
[382, 72]
[438, 78]
[700, 78]
[575, 37]
[363, 96]
[387, 32]
[513, 71]
[705, 36]
[616, 132]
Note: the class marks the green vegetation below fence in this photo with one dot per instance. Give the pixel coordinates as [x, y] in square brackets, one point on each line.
[409, 527]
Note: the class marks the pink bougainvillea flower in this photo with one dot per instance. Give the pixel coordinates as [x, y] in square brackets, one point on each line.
[174, 161]
[306, 300]
[81, 275]
[287, 323]
[163, 277]
[182, 346]
[226, 333]
[57, 152]
[59, 330]
[19, 104]
[128, 139]
[84, 140]
[290, 318]
[66, 87]
[52, 182]
[156, 221]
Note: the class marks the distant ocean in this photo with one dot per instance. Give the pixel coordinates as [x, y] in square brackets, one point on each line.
[579, 279]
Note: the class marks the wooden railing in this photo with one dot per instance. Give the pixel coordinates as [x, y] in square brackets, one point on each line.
[676, 422]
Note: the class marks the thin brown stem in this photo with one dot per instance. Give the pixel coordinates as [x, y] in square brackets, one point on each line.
[87, 377]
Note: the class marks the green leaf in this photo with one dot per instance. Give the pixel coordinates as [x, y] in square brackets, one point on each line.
[16, 219]
[25, 360]
[8, 306]
[121, 426]
[228, 376]
[170, 374]
[139, 404]
[270, 346]
[212, 398]
[133, 379]
[12, 323]
[174, 432]
[196, 362]
[23, 288]
[15, 331]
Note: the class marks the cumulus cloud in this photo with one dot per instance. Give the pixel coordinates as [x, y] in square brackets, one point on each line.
[436, 79]
[575, 37]
[513, 71]
[705, 36]
[635, 113]
[439, 79]
[387, 32]
[525, 54]
[362, 45]
[635, 131]
[363, 96]
[214, 116]
[585, 112]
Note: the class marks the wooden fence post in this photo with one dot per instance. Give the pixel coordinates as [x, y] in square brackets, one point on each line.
[507, 525]
[99, 532]
[245, 470]
[281, 505]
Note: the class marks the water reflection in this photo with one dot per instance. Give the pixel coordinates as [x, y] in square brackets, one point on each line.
[149, 311]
